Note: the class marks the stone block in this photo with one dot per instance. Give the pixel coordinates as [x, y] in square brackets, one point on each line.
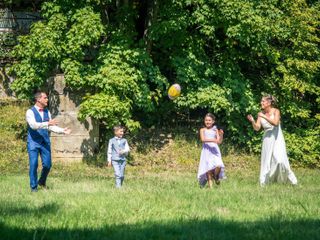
[83, 141]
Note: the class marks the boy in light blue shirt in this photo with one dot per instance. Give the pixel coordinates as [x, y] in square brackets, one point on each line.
[118, 149]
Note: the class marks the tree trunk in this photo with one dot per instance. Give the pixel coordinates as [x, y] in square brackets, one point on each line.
[152, 13]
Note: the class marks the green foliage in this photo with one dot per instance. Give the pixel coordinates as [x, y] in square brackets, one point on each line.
[242, 49]
[66, 40]
[86, 29]
[224, 54]
[304, 147]
[7, 41]
[13, 154]
[109, 108]
[122, 78]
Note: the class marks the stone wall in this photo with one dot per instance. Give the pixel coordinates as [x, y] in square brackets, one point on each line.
[83, 142]
[5, 81]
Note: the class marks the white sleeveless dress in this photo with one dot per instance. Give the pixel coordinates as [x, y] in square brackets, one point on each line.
[275, 165]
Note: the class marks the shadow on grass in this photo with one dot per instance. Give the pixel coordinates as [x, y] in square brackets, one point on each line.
[273, 228]
[10, 210]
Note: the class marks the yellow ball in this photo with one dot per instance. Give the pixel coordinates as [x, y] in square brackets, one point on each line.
[174, 91]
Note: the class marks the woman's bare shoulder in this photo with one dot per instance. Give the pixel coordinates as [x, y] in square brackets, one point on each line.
[275, 111]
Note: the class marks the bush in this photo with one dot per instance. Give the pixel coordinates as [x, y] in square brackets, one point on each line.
[304, 147]
[13, 129]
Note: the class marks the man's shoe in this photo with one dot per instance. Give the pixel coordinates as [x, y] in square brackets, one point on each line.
[41, 186]
[34, 190]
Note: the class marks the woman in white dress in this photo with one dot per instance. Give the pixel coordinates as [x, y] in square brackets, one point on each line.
[275, 165]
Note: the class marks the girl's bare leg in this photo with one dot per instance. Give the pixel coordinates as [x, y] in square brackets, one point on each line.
[216, 175]
[209, 177]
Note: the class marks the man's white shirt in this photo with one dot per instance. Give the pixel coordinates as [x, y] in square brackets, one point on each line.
[31, 120]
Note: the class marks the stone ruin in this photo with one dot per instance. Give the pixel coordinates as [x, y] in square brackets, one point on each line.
[83, 142]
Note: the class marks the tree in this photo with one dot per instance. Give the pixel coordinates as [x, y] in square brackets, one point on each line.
[95, 54]
[224, 53]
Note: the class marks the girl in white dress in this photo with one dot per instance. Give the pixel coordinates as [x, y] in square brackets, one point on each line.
[211, 166]
[274, 160]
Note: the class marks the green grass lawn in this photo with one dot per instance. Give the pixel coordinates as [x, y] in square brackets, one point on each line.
[164, 204]
[160, 198]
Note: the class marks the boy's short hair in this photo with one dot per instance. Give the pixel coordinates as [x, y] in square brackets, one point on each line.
[117, 127]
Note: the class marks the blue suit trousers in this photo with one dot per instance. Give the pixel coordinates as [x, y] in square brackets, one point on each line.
[34, 150]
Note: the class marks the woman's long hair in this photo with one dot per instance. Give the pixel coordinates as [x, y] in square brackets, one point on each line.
[271, 98]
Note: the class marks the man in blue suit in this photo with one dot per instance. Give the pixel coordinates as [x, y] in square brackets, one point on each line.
[38, 141]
